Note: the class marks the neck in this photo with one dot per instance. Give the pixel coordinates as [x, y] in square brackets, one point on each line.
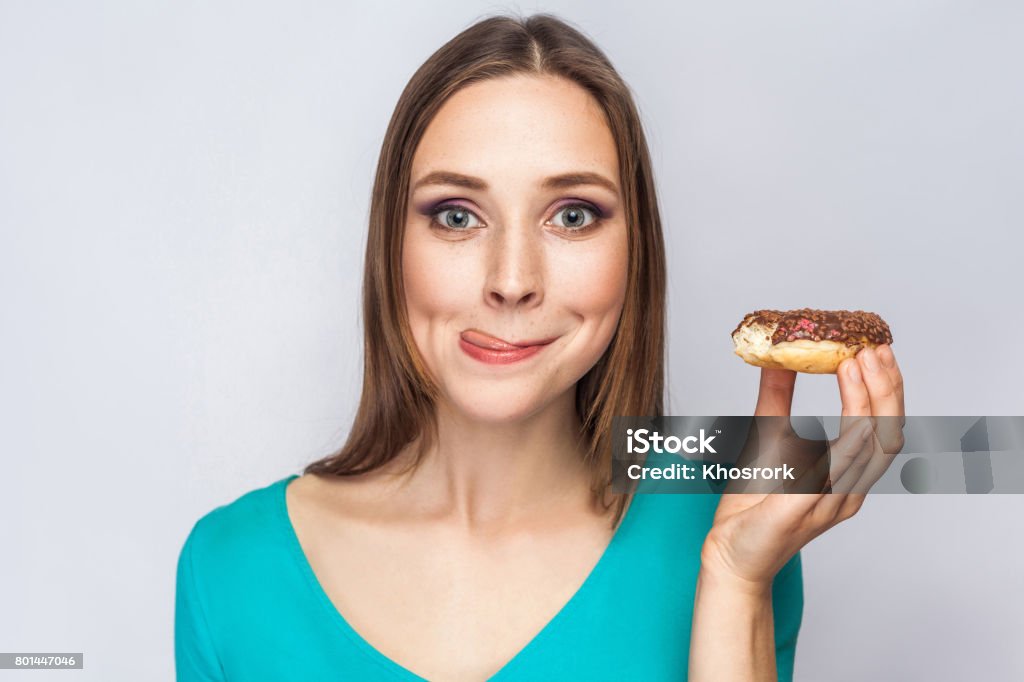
[486, 474]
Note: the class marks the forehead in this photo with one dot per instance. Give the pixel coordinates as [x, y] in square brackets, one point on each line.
[522, 123]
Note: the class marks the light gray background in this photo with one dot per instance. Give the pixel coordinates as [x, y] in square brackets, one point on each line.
[184, 192]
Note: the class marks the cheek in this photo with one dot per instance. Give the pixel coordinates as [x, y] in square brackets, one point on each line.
[594, 283]
[432, 293]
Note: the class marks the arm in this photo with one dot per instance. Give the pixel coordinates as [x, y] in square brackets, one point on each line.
[733, 631]
[753, 535]
[195, 659]
[758, 633]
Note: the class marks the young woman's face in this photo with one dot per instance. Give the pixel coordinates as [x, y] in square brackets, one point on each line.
[515, 249]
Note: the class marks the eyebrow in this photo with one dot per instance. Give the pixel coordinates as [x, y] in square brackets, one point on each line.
[554, 182]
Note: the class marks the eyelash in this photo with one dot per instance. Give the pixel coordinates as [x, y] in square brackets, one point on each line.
[440, 208]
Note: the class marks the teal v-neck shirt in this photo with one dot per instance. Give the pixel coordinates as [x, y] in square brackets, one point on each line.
[249, 607]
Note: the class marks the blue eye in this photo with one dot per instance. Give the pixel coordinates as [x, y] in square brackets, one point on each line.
[570, 217]
[458, 217]
[575, 216]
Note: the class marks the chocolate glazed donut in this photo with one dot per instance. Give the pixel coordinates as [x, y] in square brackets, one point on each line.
[807, 340]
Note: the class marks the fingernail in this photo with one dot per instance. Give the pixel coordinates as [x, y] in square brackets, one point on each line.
[853, 372]
[886, 356]
[870, 360]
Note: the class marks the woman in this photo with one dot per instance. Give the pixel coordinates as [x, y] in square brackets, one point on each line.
[514, 298]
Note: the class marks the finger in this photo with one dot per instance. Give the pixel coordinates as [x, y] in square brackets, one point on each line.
[811, 476]
[861, 475]
[849, 458]
[851, 505]
[888, 359]
[791, 507]
[878, 462]
[854, 394]
[775, 394]
[850, 448]
[883, 398]
[852, 475]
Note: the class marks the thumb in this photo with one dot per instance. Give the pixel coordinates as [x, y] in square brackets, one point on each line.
[775, 395]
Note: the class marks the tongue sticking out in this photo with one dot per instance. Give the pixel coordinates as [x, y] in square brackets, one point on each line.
[484, 341]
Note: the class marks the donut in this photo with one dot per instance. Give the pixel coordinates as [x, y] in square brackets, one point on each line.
[807, 340]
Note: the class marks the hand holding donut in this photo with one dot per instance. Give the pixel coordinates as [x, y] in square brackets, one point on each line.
[754, 535]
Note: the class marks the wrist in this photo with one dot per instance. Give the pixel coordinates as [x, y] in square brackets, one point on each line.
[721, 581]
[733, 629]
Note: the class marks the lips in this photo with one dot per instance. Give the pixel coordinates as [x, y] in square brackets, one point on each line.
[482, 340]
[494, 351]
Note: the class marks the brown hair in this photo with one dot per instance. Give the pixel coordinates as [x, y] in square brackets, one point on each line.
[398, 398]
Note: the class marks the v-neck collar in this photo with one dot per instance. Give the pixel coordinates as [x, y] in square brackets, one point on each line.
[390, 665]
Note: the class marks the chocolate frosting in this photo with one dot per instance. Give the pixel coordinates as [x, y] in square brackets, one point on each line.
[849, 327]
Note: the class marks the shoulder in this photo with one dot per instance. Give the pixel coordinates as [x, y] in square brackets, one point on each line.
[237, 530]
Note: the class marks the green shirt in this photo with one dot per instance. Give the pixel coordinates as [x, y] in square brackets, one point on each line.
[249, 607]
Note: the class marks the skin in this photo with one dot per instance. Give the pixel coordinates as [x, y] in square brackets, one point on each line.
[452, 567]
[753, 535]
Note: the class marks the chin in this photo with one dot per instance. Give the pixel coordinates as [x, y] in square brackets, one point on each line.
[492, 405]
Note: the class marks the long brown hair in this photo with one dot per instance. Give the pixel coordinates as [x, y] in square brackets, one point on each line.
[397, 402]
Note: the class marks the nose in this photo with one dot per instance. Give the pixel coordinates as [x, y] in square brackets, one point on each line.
[516, 269]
